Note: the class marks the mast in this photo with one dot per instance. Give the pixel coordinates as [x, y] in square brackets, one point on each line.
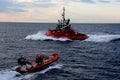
[63, 14]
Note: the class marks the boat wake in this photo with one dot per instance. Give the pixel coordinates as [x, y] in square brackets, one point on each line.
[41, 36]
[103, 37]
[92, 37]
[9, 74]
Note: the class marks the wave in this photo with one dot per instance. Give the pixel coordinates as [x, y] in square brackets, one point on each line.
[9, 74]
[41, 36]
[103, 37]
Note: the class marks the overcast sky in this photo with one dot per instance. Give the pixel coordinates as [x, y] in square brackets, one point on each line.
[79, 11]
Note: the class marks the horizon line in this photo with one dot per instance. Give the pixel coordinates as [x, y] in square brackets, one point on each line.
[71, 23]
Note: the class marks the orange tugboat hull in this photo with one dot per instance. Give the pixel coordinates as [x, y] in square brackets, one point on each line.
[72, 36]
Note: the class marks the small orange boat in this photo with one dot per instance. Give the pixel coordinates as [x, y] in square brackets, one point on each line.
[47, 60]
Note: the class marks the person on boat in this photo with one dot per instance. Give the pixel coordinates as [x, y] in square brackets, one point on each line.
[24, 64]
[22, 60]
[39, 59]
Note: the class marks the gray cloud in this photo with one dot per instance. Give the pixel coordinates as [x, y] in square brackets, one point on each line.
[117, 0]
[10, 6]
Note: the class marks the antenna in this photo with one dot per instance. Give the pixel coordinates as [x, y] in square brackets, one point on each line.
[63, 14]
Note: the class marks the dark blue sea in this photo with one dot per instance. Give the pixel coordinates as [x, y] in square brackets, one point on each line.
[96, 58]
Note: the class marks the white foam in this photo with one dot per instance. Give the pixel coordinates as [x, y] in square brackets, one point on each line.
[32, 76]
[102, 37]
[58, 66]
[41, 36]
[8, 74]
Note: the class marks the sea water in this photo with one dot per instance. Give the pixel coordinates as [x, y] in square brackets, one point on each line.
[96, 58]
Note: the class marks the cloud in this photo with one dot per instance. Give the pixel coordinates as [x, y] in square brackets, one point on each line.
[19, 17]
[24, 0]
[50, 10]
[43, 4]
[117, 0]
[104, 1]
[35, 3]
[87, 1]
[10, 6]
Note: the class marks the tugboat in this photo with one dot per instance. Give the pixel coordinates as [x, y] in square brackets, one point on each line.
[64, 30]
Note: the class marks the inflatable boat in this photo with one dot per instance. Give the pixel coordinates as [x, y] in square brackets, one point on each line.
[47, 60]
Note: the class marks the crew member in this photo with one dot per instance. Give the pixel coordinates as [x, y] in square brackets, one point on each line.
[39, 59]
[22, 60]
